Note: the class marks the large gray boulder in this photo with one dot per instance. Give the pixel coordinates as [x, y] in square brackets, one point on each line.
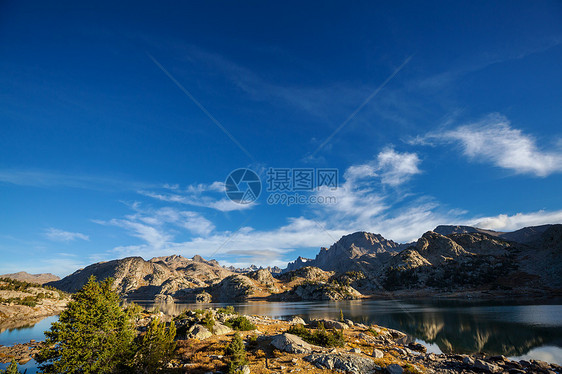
[345, 362]
[296, 320]
[394, 369]
[292, 344]
[200, 332]
[220, 329]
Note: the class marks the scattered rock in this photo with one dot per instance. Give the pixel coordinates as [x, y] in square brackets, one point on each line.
[203, 297]
[220, 329]
[417, 347]
[468, 361]
[329, 324]
[345, 362]
[486, 366]
[200, 332]
[394, 369]
[377, 353]
[355, 350]
[292, 344]
[296, 320]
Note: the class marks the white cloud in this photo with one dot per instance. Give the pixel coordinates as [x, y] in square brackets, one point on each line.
[397, 168]
[156, 226]
[494, 140]
[504, 222]
[64, 236]
[197, 195]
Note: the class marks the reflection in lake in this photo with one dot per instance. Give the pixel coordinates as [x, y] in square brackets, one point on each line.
[452, 326]
[24, 334]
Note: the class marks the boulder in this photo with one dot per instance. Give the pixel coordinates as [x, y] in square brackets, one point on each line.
[200, 332]
[345, 362]
[329, 324]
[377, 353]
[296, 320]
[394, 369]
[220, 329]
[292, 344]
[486, 366]
[203, 297]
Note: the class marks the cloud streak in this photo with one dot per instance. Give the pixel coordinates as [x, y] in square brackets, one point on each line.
[64, 236]
[493, 140]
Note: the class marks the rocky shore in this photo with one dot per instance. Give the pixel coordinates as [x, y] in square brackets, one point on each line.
[24, 304]
[283, 346]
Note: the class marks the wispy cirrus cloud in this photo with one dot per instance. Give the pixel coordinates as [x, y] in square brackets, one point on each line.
[494, 140]
[199, 195]
[64, 236]
[48, 179]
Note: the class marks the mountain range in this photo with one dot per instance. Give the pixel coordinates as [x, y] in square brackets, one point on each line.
[447, 259]
[23, 276]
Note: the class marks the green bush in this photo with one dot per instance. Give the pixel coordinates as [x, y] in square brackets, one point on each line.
[236, 354]
[320, 336]
[208, 320]
[226, 310]
[240, 323]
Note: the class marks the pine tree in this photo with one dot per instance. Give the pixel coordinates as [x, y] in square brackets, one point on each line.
[93, 334]
[11, 369]
[156, 347]
[236, 353]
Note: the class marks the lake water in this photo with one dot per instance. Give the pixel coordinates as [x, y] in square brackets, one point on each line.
[522, 331]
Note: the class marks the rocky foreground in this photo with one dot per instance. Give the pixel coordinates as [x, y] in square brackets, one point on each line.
[203, 335]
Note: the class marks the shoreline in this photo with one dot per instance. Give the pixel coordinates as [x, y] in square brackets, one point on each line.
[367, 348]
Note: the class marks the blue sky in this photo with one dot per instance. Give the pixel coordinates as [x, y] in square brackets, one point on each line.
[120, 123]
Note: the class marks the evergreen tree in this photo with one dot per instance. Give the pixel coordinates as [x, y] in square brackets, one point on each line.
[93, 334]
[11, 369]
[236, 353]
[156, 347]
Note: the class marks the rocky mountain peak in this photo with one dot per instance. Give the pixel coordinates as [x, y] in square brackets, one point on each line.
[437, 248]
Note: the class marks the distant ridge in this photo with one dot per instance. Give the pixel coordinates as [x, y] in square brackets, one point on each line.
[524, 235]
[32, 278]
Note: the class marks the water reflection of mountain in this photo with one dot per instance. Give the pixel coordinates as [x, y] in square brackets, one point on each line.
[457, 331]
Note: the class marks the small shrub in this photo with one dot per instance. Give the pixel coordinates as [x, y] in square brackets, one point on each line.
[236, 354]
[320, 336]
[240, 323]
[252, 341]
[208, 320]
[156, 347]
[372, 331]
[226, 310]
